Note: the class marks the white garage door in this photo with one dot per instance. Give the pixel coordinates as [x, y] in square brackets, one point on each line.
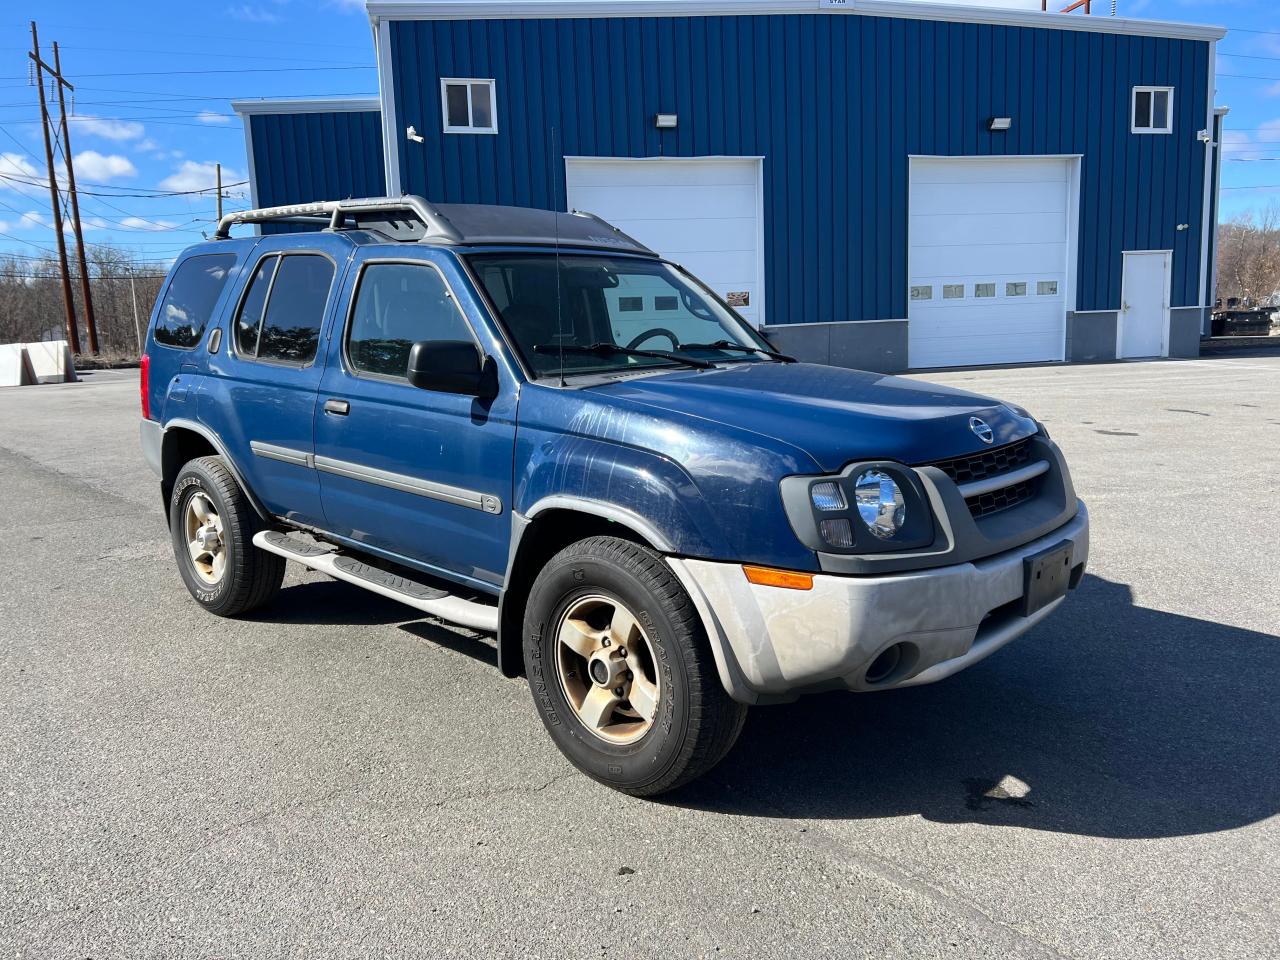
[987, 260]
[704, 214]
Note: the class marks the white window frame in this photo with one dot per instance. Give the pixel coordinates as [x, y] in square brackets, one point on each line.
[1133, 110]
[444, 104]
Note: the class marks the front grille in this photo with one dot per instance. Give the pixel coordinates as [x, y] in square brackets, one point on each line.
[990, 463]
[993, 463]
[986, 504]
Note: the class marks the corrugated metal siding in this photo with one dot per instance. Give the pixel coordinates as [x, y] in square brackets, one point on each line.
[300, 157]
[836, 104]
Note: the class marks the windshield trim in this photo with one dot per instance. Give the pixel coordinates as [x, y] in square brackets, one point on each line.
[531, 374]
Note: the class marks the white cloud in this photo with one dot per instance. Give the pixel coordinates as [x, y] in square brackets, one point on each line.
[117, 130]
[137, 223]
[1241, 145]
[209, 116]
[16, 165]
[95, 166]
[253, 14]
[201, 175]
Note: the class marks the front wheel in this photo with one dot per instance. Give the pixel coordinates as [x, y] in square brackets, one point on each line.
[621, 670]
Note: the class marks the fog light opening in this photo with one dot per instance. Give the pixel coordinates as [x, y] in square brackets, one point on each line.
[885, 664]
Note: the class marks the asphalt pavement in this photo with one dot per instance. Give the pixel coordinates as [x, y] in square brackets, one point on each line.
[339, 778]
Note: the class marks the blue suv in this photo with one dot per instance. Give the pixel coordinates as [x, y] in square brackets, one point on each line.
[528, 423]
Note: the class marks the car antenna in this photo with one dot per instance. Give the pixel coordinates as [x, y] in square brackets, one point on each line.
[555, 216]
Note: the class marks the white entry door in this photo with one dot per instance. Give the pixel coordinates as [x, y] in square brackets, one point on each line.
[1143, 327]
[703, 213]
[988, 257]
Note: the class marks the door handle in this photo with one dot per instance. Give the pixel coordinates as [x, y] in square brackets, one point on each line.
[339, 408]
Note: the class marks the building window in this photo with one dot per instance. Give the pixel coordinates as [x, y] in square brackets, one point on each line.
[1046, 288]
[984, 289]
[468, 106]
[1152, 110]
[922, 292]
[953, 291]
[1018, 289]
[666, 303]
[630, 304]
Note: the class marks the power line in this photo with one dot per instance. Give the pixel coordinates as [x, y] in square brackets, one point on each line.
[181, 73]
[31, 182]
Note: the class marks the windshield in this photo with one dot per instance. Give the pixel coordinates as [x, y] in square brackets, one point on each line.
[637, 305]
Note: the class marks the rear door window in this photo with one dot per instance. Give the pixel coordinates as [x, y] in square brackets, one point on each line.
[189, 301]
[283, 310]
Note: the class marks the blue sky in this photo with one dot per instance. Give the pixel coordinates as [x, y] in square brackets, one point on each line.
[153, 81]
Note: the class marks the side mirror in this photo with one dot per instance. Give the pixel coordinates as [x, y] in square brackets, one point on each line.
[452, 366]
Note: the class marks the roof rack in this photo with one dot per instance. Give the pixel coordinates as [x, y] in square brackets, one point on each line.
[436, 224]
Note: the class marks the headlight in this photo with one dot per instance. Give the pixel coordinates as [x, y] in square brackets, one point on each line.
[871, 506]
[880, 503]
[827, 496]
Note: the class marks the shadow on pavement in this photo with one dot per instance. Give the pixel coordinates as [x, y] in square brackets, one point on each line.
[1108, 720]
[331, 602]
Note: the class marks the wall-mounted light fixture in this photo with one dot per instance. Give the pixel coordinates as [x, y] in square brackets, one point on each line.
[414, 135]
[997, 124]
[665, 121]
[1182, 226]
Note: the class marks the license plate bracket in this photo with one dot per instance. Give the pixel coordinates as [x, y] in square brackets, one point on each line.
[1046, 576]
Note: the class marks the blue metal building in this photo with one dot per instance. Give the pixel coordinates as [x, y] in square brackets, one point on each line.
[879, 184]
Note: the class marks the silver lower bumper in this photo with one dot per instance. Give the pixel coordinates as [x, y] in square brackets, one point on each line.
[771, 644]
[151, 434]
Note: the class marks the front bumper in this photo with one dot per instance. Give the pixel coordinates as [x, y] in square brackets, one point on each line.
[773, 644]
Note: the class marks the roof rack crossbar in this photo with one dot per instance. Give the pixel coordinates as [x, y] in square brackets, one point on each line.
[438, 227]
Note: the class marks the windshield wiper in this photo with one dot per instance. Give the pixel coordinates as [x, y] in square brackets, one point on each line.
[741, 347]
[612, 350]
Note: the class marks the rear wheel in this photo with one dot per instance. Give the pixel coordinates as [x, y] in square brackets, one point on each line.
[212, 525]
[621, 670]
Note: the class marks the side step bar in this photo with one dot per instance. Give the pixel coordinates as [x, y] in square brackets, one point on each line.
[478, 616]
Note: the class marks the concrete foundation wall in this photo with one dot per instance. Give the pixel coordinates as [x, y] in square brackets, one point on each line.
[1185, 325]
[1091, 336]
[879, 345]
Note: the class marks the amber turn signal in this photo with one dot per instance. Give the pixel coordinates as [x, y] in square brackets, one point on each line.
[769, 577]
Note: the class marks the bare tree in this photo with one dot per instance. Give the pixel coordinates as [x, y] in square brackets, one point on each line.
[1249, 256]
[31, 298]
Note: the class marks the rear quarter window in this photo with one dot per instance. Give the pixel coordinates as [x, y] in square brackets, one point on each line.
[189, 301]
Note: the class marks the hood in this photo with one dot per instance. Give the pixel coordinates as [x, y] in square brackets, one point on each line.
[834, 414]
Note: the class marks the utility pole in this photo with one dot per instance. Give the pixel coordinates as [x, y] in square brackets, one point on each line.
[73, 334]
[86, 295]
[218, 173]
[137, 325]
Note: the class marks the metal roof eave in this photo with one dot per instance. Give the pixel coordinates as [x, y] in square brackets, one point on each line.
[551, 9]
[248, 107]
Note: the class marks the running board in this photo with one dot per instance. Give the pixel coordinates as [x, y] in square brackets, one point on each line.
[340, 566]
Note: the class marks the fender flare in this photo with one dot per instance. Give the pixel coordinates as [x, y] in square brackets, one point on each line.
[216, 442]
[598, 508]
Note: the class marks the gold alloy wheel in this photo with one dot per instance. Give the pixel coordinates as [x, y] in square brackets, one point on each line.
[203, 528]
[607, 669]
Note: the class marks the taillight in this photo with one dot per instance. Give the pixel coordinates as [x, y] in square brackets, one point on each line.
[144, 384]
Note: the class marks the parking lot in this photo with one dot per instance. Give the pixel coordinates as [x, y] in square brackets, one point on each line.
[338, 778]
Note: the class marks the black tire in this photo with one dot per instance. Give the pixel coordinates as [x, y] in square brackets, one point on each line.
[250, 577]
[696, 722]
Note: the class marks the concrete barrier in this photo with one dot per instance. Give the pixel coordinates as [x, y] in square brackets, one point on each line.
[44, 361]
[15, 371]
